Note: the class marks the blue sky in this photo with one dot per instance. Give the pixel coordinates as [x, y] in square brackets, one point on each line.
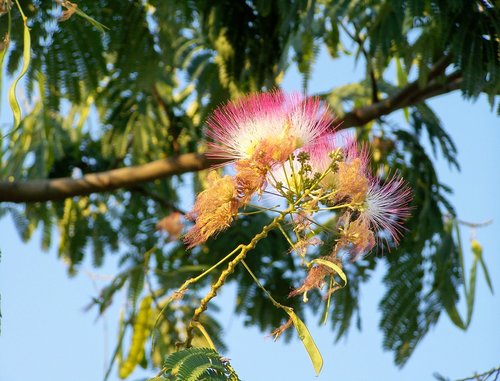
[47, 335]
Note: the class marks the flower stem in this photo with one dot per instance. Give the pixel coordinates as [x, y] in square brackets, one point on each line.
[244, 249]
[190, 281]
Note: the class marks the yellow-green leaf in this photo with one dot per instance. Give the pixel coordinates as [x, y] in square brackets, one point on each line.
[91, 20]
[205, 335]
[472, 290]
[401, 76]
[406, 114]
[2, 54]
[299, 325]
[14, 104]
[454, 315]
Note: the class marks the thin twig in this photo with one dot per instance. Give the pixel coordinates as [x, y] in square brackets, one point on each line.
[483, 376]
[356, 37]
[155, 196]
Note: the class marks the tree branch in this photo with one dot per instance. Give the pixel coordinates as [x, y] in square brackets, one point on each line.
[404, 98]
[130, 177]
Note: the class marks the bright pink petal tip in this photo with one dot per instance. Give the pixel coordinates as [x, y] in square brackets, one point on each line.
[353, 150]
[237, 127]
[320, 150]
[387, 206]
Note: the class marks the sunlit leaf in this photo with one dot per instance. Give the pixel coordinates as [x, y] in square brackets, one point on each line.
[14, 104]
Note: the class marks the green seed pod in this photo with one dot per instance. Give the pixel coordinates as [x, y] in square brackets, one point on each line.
[141, 331]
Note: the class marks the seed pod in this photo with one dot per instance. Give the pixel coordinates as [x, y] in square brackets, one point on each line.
[141, 331]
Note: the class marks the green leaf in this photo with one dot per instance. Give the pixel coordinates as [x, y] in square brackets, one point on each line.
[472, 290]
[307, 340]
[332, 40]
[91, 20]
[454, 315]
[198, 364]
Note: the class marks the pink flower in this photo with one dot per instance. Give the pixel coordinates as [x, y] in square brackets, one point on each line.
[271, 121]
[320, 151]
[350, 149]
[350, 176]
[387, 206]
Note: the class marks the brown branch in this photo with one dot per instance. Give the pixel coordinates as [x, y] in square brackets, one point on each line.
[363, 115]
[58, 189]
[130, 177]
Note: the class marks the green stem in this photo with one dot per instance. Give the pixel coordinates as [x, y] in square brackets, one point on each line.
[190, 281]
[244, 249]
[336, 207]
[280, 189]
[261, 209]
[286, 236]
[480, 376]
[25, 19]
[257, 282]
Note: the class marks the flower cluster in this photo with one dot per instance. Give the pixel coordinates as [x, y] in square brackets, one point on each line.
[286, 145]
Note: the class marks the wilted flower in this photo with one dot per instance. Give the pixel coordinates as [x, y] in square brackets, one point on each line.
[214, 209]
[356, 237]
[351, 181]
[282, 328]
[314, 279]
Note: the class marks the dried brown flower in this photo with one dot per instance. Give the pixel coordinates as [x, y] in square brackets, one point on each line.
[351, 181]
[214, 209]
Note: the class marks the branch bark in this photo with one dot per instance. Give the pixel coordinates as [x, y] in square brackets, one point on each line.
[404, 98]
[128, 177]
[57, 189]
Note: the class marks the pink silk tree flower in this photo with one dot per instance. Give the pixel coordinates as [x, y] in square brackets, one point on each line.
[349, 179]
[266, 127]
[348, 146]
[386, 207]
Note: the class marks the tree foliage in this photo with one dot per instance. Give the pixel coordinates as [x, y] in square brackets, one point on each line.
[141, 89]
